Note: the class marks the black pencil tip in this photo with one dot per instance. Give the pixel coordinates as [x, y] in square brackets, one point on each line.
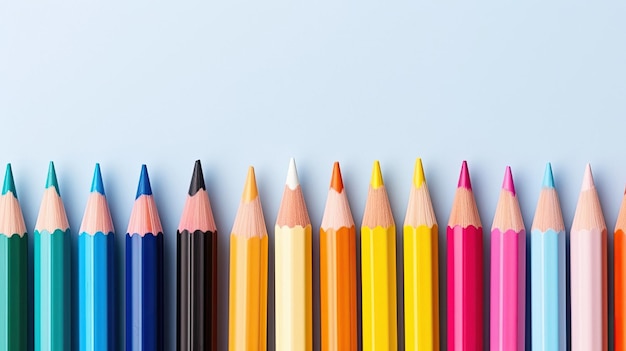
[197, 179]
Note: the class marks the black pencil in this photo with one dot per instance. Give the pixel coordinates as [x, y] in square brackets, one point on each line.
[197, 270]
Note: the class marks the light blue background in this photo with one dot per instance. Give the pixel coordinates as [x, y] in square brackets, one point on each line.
[238, 83]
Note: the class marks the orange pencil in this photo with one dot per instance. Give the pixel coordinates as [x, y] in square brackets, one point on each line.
[620, 278]
[338, 270]
[247, 311]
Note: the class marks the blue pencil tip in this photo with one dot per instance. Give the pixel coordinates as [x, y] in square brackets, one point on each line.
[548, 179]
[52, 178]
[9, 184]
[96, 183]
[144, 183]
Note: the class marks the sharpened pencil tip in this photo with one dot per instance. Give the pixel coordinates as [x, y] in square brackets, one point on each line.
[9, 183]
[548, 178]
[587, 179]
[52, 178]
[197, 179]
[292, 175]
[418, 174]
[464, 178]
[377, 176]
[144, 187]
[96, 183]
[250, 191]
[507, 183]
[336, 181]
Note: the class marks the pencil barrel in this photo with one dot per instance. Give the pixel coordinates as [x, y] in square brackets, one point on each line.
[144, 292]
[52, 290]
[620, 290]
[421, 288]
[588, 289]
[547, 271]
[465, 288]
[13, 292]
[293, 289]
[338, 292]
[197, 290]
[247, 317]
[508, 289]
[379, 305]
[96, 292]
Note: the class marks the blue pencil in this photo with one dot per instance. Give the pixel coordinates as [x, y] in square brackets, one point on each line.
[144, 272]
[96, 259]
[547, 270]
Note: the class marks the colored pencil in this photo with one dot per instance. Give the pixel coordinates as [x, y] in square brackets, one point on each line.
[247, 305]
[465, 269]
[96, 268]
[13, 269]
[421, 272]
[508, 271]
[338, 293]
[144, 272]
[292, 269]
[588, 271]
[620, 278]
[51, 271]
[378, 269]
[197, 270]
[547, 270]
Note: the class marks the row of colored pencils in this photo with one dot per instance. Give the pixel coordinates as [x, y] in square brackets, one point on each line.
[248, 279]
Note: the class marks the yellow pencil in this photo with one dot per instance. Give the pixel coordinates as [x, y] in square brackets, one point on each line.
[421, 275]
[378, 269]
[247, 312]
[292, 264]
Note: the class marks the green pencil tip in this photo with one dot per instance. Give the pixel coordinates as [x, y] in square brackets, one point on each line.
[52, 178]
[9, 184]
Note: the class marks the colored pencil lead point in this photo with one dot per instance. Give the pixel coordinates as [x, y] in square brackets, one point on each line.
[507, 184]
[292, 175]
[587, 179]
[336, 181]
[96, 183]
[197, 179]
[464, 178]
[418, 174]
[548, 178]
[9, 184]
[377, 176]
[144, 187]
[52, 178]
[250, 191]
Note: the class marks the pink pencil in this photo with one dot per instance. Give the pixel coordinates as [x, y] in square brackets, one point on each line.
[465, 270]
[588, 271]
[508, 271]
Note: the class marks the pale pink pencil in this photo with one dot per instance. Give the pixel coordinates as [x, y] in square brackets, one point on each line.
[588, 271]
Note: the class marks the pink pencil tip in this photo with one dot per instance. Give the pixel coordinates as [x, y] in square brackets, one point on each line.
[464, 178]
[507, 184]
[587, 179]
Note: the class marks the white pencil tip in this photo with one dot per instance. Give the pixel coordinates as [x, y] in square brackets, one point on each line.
[292, 175]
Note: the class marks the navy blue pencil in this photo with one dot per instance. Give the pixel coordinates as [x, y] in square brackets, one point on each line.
[144, 272]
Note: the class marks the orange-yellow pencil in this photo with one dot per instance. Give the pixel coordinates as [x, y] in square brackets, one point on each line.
[247, 310]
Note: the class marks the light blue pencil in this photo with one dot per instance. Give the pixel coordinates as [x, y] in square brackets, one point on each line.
[96, 283]
[547, 270]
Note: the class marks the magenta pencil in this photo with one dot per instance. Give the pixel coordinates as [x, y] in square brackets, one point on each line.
[508, 271]
[465, 270]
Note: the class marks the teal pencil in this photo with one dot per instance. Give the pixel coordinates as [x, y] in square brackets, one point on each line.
[51, 271]
[13, 269]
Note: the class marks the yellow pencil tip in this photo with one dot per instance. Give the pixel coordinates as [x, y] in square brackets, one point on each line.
[377, 176]
[418, 174]
[250, 191]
